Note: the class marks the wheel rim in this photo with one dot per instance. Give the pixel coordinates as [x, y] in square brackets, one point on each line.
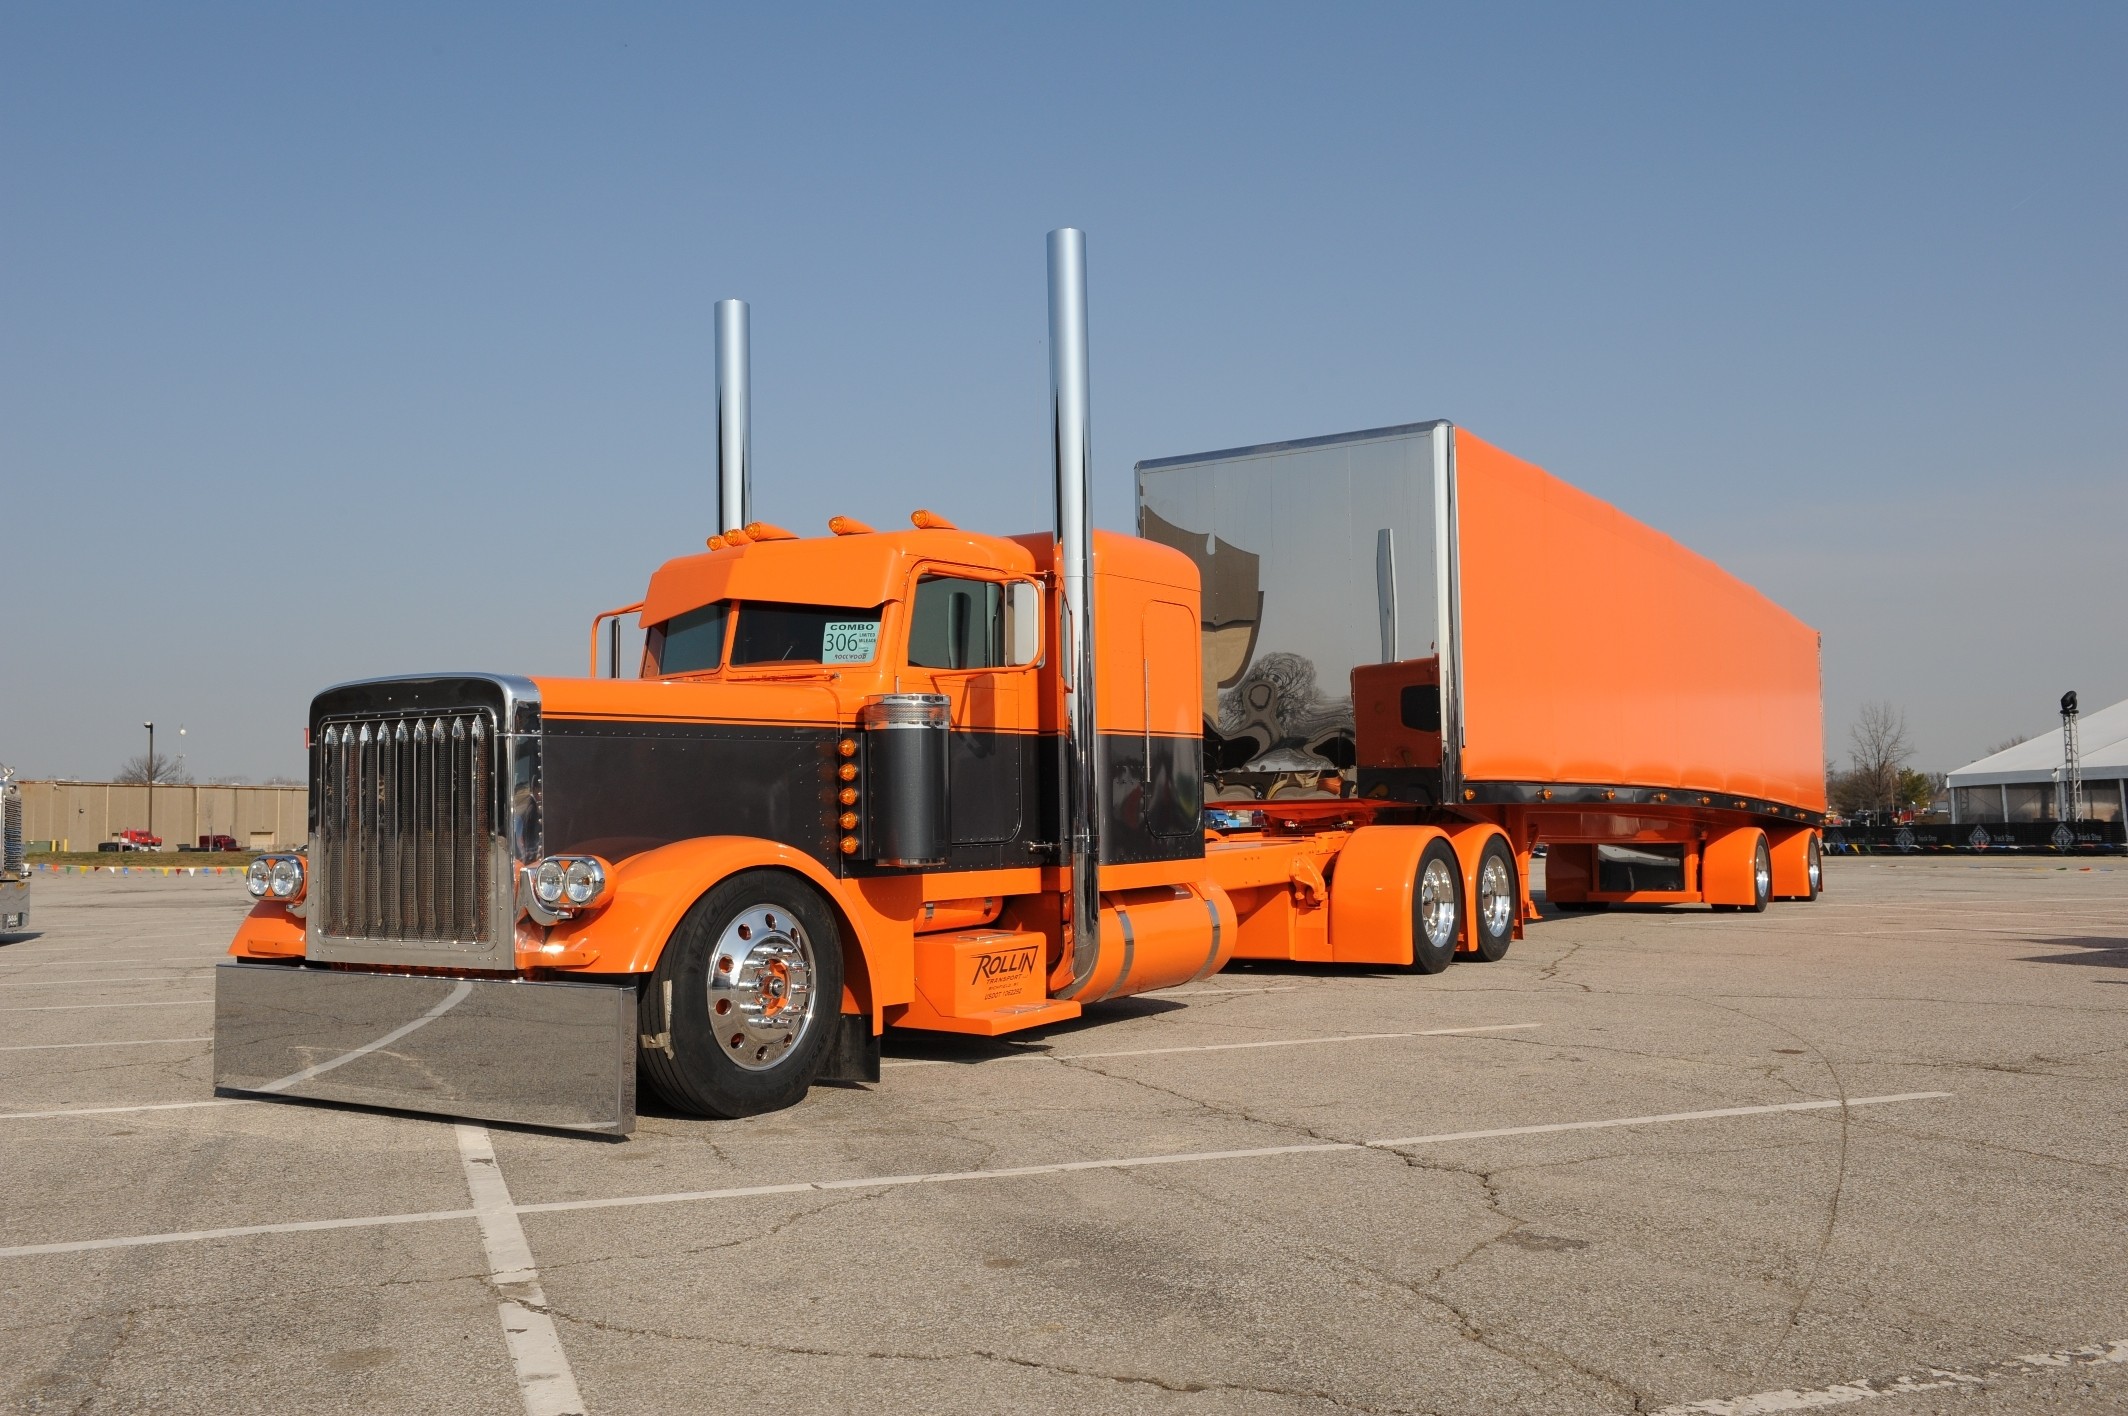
[1817, 869]
[1496, 896]
[1762, 873]
[761, 987]
[1437, 903]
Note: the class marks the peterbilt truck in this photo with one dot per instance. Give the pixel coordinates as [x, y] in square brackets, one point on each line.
[932, 779]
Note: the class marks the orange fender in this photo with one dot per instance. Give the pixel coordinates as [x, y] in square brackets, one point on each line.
[653, 891]
[1791, 863]
[1725, 867]
[1469, 842]
[268, 932]
[1370, 894]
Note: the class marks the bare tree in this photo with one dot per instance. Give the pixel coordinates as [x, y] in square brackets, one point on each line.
[1879, 749]
[2004, 746]
[169, 771]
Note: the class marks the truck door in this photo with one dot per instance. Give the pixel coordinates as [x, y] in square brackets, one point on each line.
[977, 640]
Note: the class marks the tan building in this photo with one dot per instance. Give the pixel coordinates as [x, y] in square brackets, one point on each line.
[79, 816]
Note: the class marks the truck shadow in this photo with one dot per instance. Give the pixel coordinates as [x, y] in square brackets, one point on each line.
[2090, 953]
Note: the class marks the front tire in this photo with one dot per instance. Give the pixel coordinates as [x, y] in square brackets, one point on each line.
[739, 1015]
[1492, 923]
[1436, 908]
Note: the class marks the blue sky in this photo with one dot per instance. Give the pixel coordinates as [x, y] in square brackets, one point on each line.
[337, 341]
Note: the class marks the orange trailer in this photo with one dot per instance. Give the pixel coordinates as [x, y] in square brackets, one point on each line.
[928, 779]
[1411, 615]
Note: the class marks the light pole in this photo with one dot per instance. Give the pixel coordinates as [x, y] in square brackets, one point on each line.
[151, 776]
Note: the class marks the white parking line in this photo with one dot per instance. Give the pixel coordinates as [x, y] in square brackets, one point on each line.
[120, 1110]
[881, 1182]
[133, 1042]
[543, 1376]
[1208, 1047]
[84, 1007]
[1928, 1379]
[62, 982]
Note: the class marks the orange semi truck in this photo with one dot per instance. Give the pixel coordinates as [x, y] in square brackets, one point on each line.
[879, 778]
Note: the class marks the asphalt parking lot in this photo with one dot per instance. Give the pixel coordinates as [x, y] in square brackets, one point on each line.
[1868, 1150]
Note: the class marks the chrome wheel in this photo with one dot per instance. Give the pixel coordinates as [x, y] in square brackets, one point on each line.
[1817, 869]
[761, 987]
[1437, 903]
[1496, 896]
[1762, 873]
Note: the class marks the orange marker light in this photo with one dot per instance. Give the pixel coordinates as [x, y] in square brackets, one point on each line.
[924, 520]
[847, 771]
[848, 821]
[848, 526]
[847, 796]
[849, 845]
[847, 747]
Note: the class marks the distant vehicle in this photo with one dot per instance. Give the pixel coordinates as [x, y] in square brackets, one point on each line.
[133, 839]
[213, 843]
[14, 867]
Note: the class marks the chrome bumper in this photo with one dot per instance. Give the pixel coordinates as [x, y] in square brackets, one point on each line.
[14, 906]
[540, 1054]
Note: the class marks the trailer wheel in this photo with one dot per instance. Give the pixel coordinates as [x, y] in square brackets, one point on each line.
[1436, 908]
[1492, 923]
[738, 1017]
[1814, 871]
[1761, 876]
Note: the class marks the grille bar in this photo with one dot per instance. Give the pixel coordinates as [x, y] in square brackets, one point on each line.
[408, 828]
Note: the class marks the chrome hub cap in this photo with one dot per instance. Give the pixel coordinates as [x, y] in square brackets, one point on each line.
[1817, 869]
[1762, 874]
[761, 981]
[1437, 903]
[1496, 896]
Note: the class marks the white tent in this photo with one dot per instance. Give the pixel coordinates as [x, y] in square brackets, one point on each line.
[2024, 783]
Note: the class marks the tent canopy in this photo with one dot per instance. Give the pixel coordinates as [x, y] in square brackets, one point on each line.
[2102, 737]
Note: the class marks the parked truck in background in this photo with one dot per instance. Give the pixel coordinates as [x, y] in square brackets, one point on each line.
[932, 779]
[14, 862]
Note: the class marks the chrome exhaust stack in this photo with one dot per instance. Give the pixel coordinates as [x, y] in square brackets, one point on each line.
[1071, 442]
[735, 446]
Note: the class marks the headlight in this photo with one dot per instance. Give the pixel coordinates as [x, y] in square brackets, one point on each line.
[276, 877]
[548, 881]
[562, 886]
[583, 881]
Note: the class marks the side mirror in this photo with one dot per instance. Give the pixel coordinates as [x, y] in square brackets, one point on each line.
[1023, 623]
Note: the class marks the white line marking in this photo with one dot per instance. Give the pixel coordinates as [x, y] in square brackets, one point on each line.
[119, 1110]
[1928, 1379]
[543, 1376]
[136, 1042]
[85, 1007]
[867, 1182]
[1208, 1047]
[237, 1231]
[451, 1000]
[62, 982]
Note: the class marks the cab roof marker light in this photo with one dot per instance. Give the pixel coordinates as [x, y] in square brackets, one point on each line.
[924, 520]
[848, 526]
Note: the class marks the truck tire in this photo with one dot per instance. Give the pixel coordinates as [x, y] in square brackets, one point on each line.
[740, 1013]
[1492, 923]
[1761, 876]
[1436, 908]
[1814, 871]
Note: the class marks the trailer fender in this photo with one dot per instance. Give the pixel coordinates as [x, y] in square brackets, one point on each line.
[1470, 842]
[1797, 872]
[1728, 868]
[1370, 894]
[654, 890]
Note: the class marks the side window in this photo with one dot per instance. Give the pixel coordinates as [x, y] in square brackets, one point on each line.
[688, 643]
[958, 624]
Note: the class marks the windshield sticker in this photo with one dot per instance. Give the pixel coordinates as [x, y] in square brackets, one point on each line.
[849, 641]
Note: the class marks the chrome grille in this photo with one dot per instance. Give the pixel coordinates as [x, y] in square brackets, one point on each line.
[410, 840]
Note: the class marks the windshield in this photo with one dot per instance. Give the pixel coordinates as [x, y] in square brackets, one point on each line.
[804, 634]
[689, 643]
